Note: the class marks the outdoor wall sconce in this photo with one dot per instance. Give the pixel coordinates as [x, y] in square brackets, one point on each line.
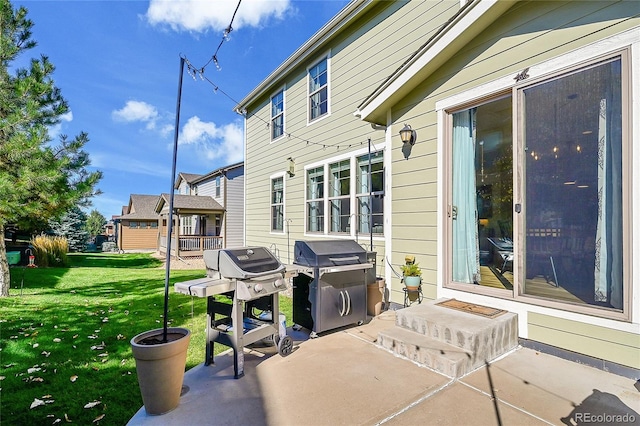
[292, 167]
[408, 135]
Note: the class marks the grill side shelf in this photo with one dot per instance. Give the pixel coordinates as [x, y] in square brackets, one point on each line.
[204, 287]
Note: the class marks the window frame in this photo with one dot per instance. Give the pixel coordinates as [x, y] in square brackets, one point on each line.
[372, 193]
[272, 179]
[331, 197]
[308, 201]
[326, 57]
[353, 231]
[547, 71]
[280, 114]
[187, 224]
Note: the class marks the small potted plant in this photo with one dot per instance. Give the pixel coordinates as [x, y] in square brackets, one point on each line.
[412, 275]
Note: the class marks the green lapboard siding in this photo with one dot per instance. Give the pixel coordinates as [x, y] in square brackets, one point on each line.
[605, 343]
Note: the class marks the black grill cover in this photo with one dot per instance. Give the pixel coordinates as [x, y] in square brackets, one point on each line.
[326, 253]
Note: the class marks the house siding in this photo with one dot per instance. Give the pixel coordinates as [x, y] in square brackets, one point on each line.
[528, 34]
[139, 238]
[371, 48]
[233, 225]
[599, 342]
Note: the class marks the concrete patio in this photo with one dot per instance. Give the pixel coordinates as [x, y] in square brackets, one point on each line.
[344, 378]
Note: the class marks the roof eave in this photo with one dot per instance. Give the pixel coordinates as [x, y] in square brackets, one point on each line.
[472, 19]
[352, 10]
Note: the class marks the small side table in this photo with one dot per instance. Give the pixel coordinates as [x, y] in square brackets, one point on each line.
[412, 295]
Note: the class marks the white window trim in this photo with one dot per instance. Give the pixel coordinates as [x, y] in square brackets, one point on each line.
[326, 56]
[282, 89]
[217, 186]
[284, 203]
[352, 156]
[586, 54]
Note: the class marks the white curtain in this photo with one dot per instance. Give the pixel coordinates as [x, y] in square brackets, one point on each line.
[466, 253]
[608, 262]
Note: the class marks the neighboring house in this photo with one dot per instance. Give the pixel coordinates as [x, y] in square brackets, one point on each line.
[519, 186]
[110, 228]
[208, 211]
[137, 227]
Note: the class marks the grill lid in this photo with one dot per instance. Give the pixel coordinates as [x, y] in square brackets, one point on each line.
[326, 253]
[242, 262]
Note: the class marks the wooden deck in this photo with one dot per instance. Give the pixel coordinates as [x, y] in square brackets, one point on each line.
[537, 286]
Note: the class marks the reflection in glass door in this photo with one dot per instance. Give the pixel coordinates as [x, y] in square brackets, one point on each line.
[573, 186]
[482, 195]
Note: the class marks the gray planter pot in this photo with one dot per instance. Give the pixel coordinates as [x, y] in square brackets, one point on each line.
[160, 367]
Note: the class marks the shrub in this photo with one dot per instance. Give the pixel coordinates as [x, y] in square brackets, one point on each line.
[109, 246]
[50, 250]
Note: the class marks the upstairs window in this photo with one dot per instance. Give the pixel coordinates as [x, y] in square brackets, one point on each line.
[318, 90]
[277, 115]
[217, 186]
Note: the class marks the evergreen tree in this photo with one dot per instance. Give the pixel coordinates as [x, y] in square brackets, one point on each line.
[38, 179]
[95, 223]
[72, 226]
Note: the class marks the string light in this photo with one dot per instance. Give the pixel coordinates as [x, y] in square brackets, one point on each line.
[192, 71]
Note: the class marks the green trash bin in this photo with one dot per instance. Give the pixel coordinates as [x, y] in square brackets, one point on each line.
[13, 257]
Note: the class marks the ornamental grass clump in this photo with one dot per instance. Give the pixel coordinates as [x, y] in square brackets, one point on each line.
[50, 250]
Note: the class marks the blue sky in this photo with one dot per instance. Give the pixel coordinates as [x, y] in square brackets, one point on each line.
[117, 64]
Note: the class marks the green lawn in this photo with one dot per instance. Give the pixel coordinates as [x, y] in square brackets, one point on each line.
[65, 332]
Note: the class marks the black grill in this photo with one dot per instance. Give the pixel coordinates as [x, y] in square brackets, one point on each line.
[331, 289]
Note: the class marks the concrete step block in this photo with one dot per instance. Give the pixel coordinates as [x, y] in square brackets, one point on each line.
[432, 353]
[484, 338]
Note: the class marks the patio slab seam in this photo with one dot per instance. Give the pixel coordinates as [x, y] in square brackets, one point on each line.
[502, 401]
[416, 402]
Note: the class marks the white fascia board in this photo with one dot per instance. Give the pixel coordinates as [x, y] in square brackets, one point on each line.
[472, 13]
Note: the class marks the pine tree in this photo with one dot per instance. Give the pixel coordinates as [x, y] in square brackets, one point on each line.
[38, 179]
[72, 226]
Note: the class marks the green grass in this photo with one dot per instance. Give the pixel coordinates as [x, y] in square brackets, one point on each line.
[65, 333]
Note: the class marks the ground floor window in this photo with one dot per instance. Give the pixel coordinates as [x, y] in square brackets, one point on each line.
[354, 206]
[186, 225]
[277, 204]
[567, 199]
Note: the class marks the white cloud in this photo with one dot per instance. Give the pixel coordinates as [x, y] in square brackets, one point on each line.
[200, 16]
[137, 111]
[197, 131]
[56, 130]
[212, 142]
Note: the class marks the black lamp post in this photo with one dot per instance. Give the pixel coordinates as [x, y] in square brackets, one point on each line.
[171, 196]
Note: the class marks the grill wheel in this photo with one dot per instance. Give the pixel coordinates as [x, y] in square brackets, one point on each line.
[285, 346]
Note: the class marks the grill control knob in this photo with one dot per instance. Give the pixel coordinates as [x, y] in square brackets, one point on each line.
[279, 282]
[257, 288]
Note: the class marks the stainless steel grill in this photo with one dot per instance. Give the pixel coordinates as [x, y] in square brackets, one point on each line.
[251, 278]
[331, 289]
